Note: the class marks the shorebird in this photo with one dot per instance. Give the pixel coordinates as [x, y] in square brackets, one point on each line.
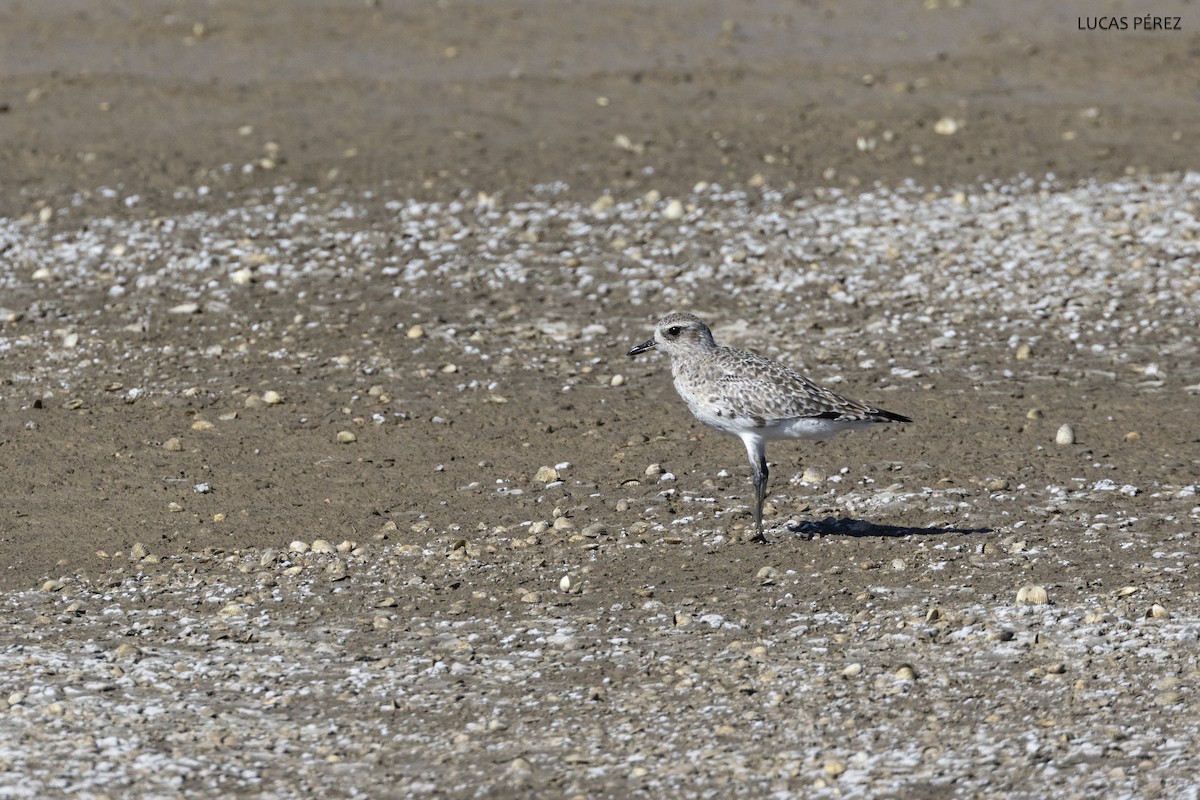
[752, 397]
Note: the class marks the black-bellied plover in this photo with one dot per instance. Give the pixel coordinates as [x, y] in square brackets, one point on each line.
[751, 396]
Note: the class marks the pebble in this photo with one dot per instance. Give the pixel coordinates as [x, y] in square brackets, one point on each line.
[346, 437]
[1065, 435]
[185, 308]
[617, 380]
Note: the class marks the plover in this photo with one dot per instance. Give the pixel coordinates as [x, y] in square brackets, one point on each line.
[751, 396]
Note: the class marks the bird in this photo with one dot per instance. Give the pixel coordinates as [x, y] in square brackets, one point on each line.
[751, 396]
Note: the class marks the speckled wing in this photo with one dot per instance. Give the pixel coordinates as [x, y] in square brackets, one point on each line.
[768, 392]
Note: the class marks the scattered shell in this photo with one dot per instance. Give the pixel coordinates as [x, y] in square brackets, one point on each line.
[321, 546]
[1065, 435]
[232, 610]
[564, 583]
[127, 650]
[946, 126]
[346, 437]
[674, 210]
[997, 485]
[852, 670]
[298, 546]
[654, 469]
[906, 673]
[1035, 413]
[834, 768]
[617, 380]
[1157, 612]
[415, 332]
[272, 397]
[202, 425]
[185, 308]
[813, 475]
[1024, 351]
[1125, 591]
[546, 475]
[139, 550]
[173, 445]
[1132, 436]
[1034, 595]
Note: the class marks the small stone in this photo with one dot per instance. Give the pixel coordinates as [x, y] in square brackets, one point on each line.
[184, 308]
[1157, 612]
[546, 475]
[906, 673]
[852, 670]
[617, 380]
[415, 332]
[1032, 595]
[531, 597]
[173, 445]
[53, 585]
[346, 437]
[272, 397]
[1065, 435]
[449, 369]
[564, 583]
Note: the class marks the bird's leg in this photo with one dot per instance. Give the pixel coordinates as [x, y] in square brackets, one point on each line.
[757, 451]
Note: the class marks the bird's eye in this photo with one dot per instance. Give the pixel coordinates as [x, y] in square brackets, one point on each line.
[674, 331]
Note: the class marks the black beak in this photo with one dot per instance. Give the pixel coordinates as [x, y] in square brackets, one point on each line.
[643, 347]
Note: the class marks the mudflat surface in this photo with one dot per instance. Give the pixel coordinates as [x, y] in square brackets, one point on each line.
[323, 470]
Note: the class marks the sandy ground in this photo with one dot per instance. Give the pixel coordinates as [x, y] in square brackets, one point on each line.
[353, 274]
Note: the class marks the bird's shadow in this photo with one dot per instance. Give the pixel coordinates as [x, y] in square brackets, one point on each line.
[845, 526]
